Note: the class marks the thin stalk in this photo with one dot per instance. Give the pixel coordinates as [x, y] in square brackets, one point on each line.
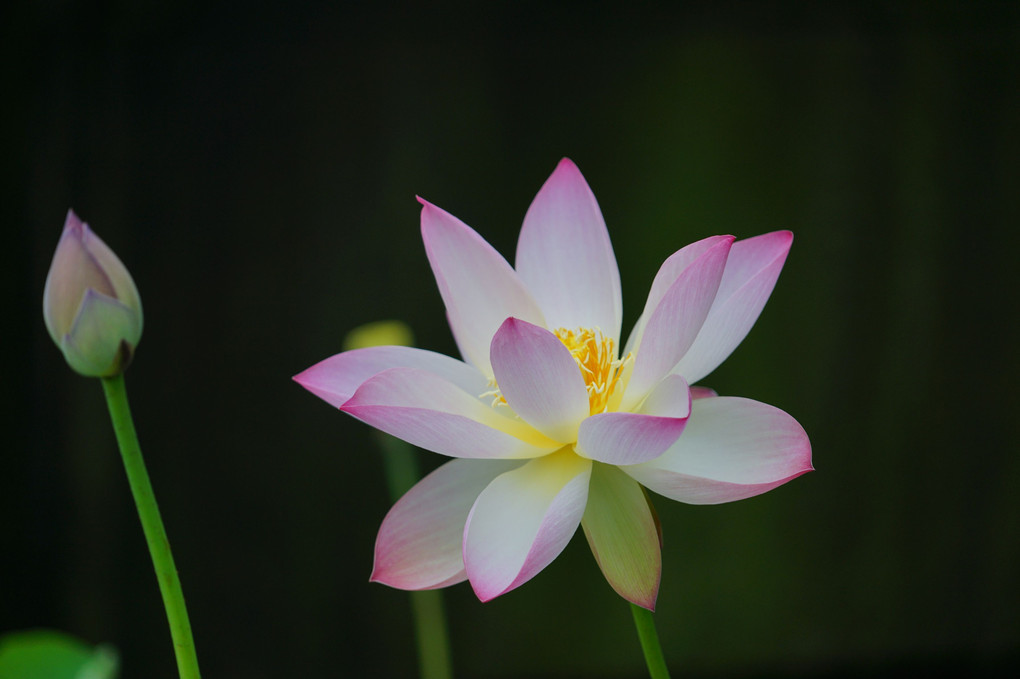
[433, 644]
[645, 624]
[430, 630]
[152, 526]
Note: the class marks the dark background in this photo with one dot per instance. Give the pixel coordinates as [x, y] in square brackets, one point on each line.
[255, 166]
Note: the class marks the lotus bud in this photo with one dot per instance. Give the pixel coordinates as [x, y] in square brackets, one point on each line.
[90, 304]
[379, 333]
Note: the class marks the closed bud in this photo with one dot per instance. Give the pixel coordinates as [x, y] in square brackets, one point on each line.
[90, 304]
[379, 333]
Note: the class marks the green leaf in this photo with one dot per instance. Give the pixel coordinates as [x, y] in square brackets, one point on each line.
[48, 654]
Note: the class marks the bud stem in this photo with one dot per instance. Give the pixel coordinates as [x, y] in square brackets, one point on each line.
[649, 637]
[426, 605]
[152, 525]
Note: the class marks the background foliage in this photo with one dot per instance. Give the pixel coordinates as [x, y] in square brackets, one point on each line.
[255, 166]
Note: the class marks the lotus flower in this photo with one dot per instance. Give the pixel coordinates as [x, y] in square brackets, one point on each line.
[90, 304]
[550, 423]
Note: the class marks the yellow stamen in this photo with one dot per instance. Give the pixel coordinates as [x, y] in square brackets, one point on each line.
[495, 394]
[596, 357]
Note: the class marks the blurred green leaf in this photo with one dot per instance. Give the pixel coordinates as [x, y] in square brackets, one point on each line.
[47, 654]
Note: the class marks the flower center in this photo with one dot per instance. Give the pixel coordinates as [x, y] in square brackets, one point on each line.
[595, 355]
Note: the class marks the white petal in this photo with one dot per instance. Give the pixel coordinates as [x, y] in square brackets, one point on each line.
[565, 257]
[732, 448]
[539, 379]
[675, 321]
[631, 438]
[478, 286]
[427, 411]
[523, 520]
[335, 379]
[664, 279]
[751, 273]
[420, 542]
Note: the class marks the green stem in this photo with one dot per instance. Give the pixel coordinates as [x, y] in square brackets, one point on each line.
[433, 644]
[650, 642]
[152, 525]
[427, 605]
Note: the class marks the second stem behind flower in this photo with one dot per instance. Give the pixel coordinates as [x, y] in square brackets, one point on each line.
[427, 605]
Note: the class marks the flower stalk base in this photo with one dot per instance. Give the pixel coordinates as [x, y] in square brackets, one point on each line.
[649, 637]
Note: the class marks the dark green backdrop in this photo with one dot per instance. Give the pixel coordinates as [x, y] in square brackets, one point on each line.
[255, 166]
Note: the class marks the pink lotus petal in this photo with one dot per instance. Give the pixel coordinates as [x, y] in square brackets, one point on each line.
[732, 448]
[666, 276]
[75, 269]
[420, 542]
[565, 257]
[670, 398]
[523, 520]
[702, 392]
[632, 438]
[335, 379]
[751, 273]
[635, 333]
[539, 379]
[621, 532]
[478, 286]
[675, 321]
[432, 413]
